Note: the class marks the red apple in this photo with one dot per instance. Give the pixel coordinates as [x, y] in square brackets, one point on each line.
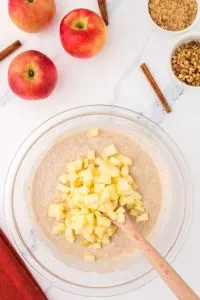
[32, 75]
[82, 33]
[31, 15]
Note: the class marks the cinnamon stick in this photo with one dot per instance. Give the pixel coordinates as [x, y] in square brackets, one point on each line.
[103, 9]
[10, 49]
[156, 88]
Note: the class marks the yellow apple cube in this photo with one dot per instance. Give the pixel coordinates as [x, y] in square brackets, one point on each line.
[114, 161]
[133, 212]
[63, 188]
[93, 132]
[121, 218]
[122, 187]
[84, 190]
[99, 231]
[124, 171]
[103, 221]
[90, 218]
[91, 198]
[58, 229]
[91, 155]
[56, 210]
[113, 192]
[105, 195]
[110, 151]
[111, 230]
[63, 179]
[90, 237]
[99, 187]
[105, 239]
[144, 217]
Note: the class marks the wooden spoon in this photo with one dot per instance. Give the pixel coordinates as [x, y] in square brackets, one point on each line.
[179, 287]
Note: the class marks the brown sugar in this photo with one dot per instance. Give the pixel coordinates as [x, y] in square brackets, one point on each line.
[173, 15]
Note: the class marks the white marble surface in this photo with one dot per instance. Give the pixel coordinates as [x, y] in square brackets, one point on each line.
[113, 77]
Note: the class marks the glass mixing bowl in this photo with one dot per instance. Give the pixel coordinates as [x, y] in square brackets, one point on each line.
[169, 232]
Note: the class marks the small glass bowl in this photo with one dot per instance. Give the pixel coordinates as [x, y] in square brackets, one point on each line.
[168, 235]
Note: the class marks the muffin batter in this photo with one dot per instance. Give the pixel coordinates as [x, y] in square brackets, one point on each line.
[43, 188]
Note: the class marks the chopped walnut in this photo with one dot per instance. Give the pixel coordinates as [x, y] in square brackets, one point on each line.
[186, 63]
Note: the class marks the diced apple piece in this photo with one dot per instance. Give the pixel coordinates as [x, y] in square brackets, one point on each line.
[89, 258]
[85, 163]
[90, 219]
[91, 155]
[112, 170]
[136, 196]
[144, 217]
[85, 243]
[130, 200]
[102, 208]
[63, 188]
[98, 187]
[125, 171]
[58, 229]
[87, 177]
[78, 164]
[78, 182]
[99, 231]
[84, 190]
[72, 177]
[109, 151]
[122, 187]
[91, 198]
[123, 200]
[103, 178]
[112, 215]
[63, 179]
[105, 195]
[56, 210]
[69, 231]
[97, 213]
[105, 239]
[103, 221]
[139, 203]
[93, 132]
[120, 210]
[140, 208]
[90, 237]
[124, 160]
[114, 161]
[121, 218]
[84, 210]
[89, 228]
[111, 230]
[77, 197]
[133, 212]
[113, 192]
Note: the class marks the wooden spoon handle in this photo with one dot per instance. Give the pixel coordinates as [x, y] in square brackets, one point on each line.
[169, 275]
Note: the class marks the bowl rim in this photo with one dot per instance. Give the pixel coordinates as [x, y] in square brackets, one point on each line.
[177, 32]
[192, 36]
[149, 275]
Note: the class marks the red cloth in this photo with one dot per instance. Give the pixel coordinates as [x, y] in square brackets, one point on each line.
[16, 281]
